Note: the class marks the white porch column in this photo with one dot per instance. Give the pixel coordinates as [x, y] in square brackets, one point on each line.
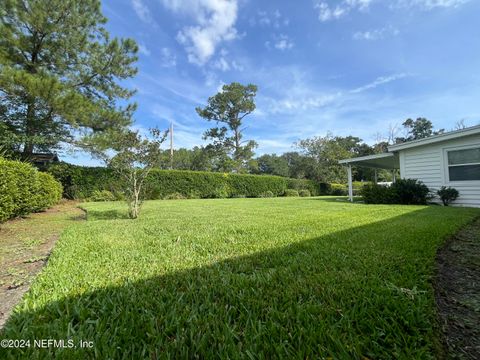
[350, 185]
[376, 176]
[394, 177]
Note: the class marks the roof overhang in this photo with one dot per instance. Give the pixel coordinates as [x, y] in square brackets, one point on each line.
[379, 161]
[473, 130]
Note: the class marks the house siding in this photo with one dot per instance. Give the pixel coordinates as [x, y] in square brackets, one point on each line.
[427, 163]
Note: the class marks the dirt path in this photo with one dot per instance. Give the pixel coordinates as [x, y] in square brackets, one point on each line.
[457, 292]
[25, 245]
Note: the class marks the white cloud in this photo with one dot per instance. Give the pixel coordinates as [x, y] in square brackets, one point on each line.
[327, 12]
[283, 42]
[379, 81]
[142, 11]
[275, 19]
[214, 23]
[168, 58]
[376, 34]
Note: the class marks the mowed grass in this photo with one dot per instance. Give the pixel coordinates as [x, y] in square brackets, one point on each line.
[242, 278]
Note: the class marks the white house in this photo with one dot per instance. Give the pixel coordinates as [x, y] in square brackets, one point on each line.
[449, 159]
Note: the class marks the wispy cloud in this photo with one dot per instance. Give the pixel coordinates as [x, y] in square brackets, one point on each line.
[379, 81]
[214, 23]
[168, 58]
[142, 49]
[430, 4]
[376, 34]
[328, 12]
[280, 42]
[142, 11]
[274, 19]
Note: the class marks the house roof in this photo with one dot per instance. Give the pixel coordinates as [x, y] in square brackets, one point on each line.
[380, 161]
[473, 130]
[40, 157]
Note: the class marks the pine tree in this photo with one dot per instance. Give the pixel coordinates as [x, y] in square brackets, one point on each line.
[60, 73]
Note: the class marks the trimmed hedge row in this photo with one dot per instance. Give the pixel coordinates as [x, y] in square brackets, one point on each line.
[23, 189]
[88, 182]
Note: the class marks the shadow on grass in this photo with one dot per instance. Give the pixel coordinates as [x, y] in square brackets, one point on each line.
[360, 292]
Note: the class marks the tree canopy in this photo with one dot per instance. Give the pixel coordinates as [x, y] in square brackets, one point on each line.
[60, 73]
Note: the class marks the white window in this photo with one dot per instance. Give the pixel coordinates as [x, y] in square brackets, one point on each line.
[464, 165]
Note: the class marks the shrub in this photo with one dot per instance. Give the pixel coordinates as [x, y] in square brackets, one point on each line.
[410, 192]
[377, 194]
[447, 195]
[239, 196]
[102, 195]
[291, 193]
[24, 190]
[304, 184]
[49, 191]
[304, 193]
[404, 191]
[338, 189]
[324, 189]
[266, 194]
[175, 196]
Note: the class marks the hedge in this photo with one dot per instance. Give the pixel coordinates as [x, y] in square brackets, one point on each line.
[81, 182]
[23, 189]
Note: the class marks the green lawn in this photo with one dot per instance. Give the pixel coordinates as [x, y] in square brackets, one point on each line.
[242, 278]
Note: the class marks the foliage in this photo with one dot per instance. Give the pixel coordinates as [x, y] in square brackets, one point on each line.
[175, 196]
[228, 108]
[262, 271]
[267, 194]
[304, 193]
[24, 190]
[403, 191]
[80, 182]
[325, 152]
[60, 72]
[417, 129]
[49, 192]
[133, 159]
[447, 194]
[102, 195]
[291, 193]
[338, 189]
[212, 185]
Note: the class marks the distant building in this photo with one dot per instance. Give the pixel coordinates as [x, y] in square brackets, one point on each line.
[43, 159]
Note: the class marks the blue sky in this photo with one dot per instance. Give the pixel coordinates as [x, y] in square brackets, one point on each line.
[351, 67]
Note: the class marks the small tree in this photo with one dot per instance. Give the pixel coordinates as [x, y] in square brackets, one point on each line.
[132, 156]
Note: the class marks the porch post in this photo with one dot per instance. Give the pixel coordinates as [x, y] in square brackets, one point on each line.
[350, 185]
[376, 177]
[394, 178]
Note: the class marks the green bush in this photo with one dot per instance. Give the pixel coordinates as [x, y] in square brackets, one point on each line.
[403, 191]
[377, 194]
[304, 184]
[102, 195]
[24, 190]
[266, 194]
[291, 193]
[338, 189]
[447, 195]
[175, 196]
[49, 191]
[304, 193]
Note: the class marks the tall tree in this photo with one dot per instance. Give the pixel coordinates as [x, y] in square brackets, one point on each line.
[418, 129]
[60, 72]
[228, 108]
